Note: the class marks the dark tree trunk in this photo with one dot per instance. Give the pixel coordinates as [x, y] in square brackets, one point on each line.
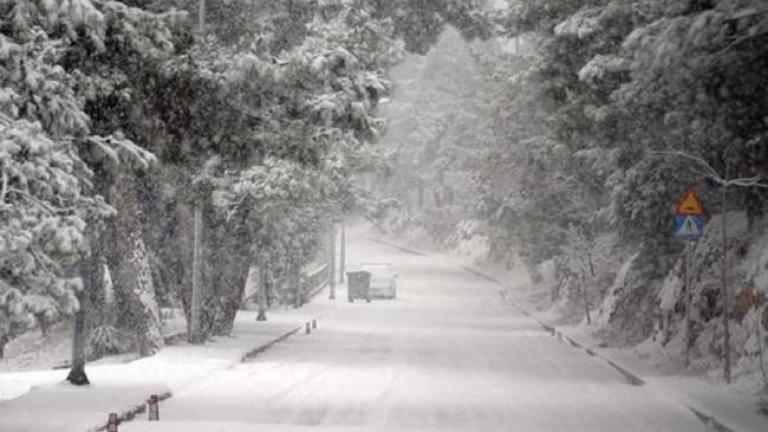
[263, 281]
[77, 375]
[43, 323]
[134, 275]
[232, 261]
[183, 253]
[4, 339]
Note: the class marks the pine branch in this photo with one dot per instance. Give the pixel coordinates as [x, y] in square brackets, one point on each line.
[42, 204]
[746, 37]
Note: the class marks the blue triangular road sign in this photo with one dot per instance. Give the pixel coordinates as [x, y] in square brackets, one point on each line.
[690, 227]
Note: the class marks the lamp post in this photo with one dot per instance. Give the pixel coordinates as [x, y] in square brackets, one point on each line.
[332, 263]
[342, 257]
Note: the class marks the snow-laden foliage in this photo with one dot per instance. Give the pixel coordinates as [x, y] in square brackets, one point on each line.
[605, 111]
[118, 126]
[596, 96]
[439, 119]
[45, 211]
[60, 59]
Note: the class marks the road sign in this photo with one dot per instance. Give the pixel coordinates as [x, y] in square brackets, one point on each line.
[690, 204]
[689, 227]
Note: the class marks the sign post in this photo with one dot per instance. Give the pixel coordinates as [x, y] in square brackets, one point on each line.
[689, 225]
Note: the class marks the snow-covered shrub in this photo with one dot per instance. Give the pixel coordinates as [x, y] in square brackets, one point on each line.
[106, 340]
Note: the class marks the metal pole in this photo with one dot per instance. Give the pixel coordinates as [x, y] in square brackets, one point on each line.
[586, 299]
[688, 302]
[726, 302]
[342, 258]
[195, 328]
[332, 263]
[201, 18]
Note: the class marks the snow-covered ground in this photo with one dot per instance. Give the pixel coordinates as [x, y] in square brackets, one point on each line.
[445, 355]
[45, 402]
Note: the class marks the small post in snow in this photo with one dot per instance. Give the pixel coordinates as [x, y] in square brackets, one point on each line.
[154, 408]
[307, 328]
[112, 422]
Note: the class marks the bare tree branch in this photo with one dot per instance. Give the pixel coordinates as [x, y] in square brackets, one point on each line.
[706, 170]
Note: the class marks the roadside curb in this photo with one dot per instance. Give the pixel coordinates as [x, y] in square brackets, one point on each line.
[396, 246]
[135, 410]
[261, 349]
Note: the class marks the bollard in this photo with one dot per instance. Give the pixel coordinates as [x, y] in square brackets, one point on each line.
[307, 330]
[112, 422]
[154, 408]
[314, 323]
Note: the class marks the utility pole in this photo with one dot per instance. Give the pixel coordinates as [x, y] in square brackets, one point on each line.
[726, 294]
[332, 263]
[195, 327]
[295, 280]
[195, 324]
[342, 258]
[688, 286]
[201, 18]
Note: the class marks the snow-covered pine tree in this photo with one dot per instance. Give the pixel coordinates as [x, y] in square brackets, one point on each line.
[56, 58]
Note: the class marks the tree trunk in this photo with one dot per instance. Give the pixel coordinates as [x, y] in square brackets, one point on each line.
[184, 256]
[89, 273]
[233, 264]
[4, 339]
[77, 375]
[263, 278]
[135, 273]
[196, 333]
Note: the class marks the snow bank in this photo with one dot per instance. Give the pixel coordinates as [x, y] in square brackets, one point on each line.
[117, 387]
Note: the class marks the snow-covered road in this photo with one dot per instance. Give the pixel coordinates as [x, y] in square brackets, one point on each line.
[446, 355]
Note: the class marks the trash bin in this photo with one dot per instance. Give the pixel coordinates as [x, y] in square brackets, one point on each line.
[358, 285]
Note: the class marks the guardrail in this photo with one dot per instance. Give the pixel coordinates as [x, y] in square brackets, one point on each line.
[313, 281]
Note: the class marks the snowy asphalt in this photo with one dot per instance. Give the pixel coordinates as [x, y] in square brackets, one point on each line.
[445, 355]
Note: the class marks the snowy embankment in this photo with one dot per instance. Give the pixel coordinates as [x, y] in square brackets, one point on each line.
[657, 366]
[34, 359]
[122, 387]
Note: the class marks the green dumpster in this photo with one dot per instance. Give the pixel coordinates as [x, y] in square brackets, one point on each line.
[358, 285]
